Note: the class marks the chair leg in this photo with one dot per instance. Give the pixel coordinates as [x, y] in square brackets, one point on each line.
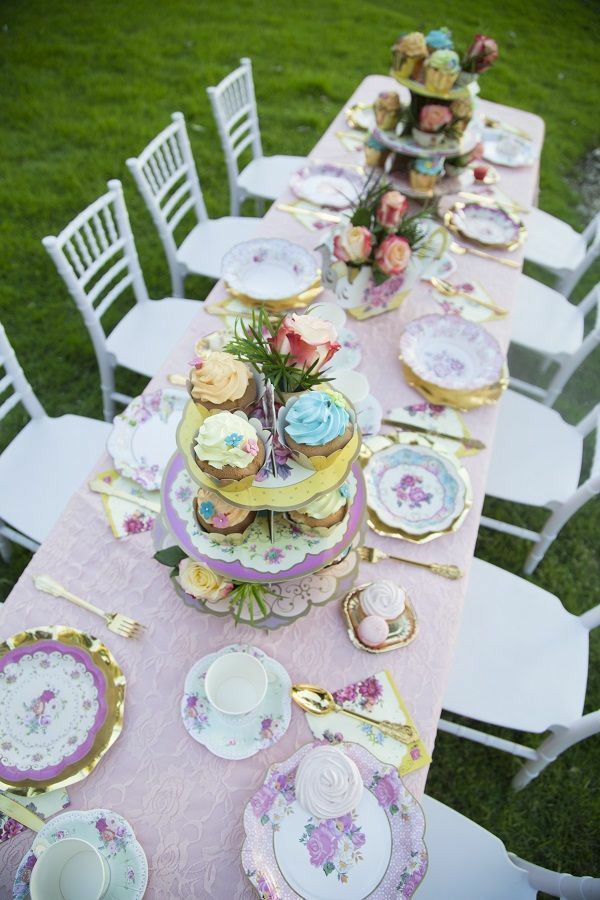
[553, 746]
[259, 206]
[107, 384]
[235, 202]
[178, 273]
[5, 548]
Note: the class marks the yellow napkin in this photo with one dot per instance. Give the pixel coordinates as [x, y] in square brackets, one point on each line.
[127, 518]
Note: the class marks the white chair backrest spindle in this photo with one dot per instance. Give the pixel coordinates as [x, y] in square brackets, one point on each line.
[96, 257]
[14, 387]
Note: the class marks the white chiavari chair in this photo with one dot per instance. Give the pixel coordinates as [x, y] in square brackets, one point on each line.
[558, 248]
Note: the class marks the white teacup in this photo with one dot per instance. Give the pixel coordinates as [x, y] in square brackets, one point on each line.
[70, 869]
[330, 312]
[236, 684]
[353, 385]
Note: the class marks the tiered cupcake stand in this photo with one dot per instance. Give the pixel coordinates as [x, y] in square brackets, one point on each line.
[298, 570]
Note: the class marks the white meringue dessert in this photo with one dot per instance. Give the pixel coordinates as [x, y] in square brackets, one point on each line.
[383, 598]
[328, 783]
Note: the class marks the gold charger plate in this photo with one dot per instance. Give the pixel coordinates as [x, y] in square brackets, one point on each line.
[297, 301]
[459, 205]
[112, 726]
[461, 400]
[403, 630]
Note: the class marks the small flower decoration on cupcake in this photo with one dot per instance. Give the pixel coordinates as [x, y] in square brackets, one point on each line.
[232, 440]
[207, 509]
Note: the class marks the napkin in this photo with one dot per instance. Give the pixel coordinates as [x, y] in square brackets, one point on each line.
[127, 518]
[302, 210]
[45, 805]
[461, 306]
[352, 140]
[378, 697]
[434, 418]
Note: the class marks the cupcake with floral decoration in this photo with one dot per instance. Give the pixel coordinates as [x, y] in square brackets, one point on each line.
[409, 51]
[442, 69]
[219, 381]
[216, 516]
[323, 513]
[439, 39]
[424, 173]
[317, 423]
[228, 447]
[387, 108]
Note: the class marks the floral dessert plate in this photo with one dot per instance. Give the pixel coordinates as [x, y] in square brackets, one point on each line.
[327, 185]
[451, 352]
[415, 490]
[62, 708]
[110, 834]
[269, 269]
[237, 737]
[506, 149]
[486, 224]
[361, 116]
[143, 436]
[376, 850]
[406, 144]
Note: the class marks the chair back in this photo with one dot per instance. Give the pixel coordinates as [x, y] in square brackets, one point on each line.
[166, 176]
[96, 257]
[14, 387]
[591, 234]
[234, 108]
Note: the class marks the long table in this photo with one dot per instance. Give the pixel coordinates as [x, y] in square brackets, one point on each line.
[184, 803]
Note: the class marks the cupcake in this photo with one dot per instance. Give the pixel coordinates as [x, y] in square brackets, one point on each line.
[442, 69]
[220, 381]
[462, 110]
[383, 598]
[409, 51]
[317, 423]
[324, 512]
[439, 39]
[387, 110]
[328, 784]
[376, 153]
[424, 173]
[228, 448]
[216, 516]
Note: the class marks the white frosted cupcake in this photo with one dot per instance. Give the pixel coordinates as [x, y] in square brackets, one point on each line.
[328, 784]
[383, 598]
[228, 447]
[324, 512]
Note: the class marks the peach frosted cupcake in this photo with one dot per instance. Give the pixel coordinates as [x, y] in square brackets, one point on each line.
[216, 516]
[220, 381]
[409, 51]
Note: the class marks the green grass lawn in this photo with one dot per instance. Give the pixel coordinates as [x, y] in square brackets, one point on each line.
[86, 85]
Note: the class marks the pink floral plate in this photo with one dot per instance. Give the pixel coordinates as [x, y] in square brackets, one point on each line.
[451, 352]
[237, 737]
[114, 838]
[376, 850]
[62, 707]
[486, 224]
[416, 490]
[269, 269]
[336, 187]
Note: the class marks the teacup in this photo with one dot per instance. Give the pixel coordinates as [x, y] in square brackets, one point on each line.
[353, 385]
[330, 312]
[70, 869]
[236, 684]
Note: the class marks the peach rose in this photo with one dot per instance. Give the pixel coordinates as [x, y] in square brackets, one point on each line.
[434, 117]
[308, 340]
[201, 582]
[393, 255]
[353, 244]
[392, 207]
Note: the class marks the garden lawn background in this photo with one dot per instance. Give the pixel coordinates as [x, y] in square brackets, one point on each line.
[86, 85]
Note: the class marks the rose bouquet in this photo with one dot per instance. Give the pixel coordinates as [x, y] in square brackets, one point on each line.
[380, 234]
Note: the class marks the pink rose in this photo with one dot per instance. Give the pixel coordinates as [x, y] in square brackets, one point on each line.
[393, 255]
[434, 117]
[386, 790]
[481, 54]
[262, 801]
[392, 207]
[307, 340]
[321, 845]
[353, 244]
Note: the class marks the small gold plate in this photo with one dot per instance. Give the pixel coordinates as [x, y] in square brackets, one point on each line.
[403, 630]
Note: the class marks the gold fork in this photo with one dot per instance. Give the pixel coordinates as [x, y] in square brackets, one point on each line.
[448, 290]
[116, 622]
[460, 250]
[373, 555]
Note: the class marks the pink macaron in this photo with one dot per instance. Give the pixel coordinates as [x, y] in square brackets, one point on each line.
[373, 631]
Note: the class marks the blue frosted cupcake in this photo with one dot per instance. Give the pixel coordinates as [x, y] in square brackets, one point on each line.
[439, 39]
[425, 172]
[317, 423]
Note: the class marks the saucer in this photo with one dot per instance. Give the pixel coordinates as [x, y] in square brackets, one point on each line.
[110, 834]
[369, 416]
[233, 737]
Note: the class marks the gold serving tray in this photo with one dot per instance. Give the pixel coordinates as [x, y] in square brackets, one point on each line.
[403, 630]
[115, 700]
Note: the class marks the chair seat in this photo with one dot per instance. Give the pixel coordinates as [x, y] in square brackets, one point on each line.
[269, 176]
[545, 321]
[147, 333]
[552, 243]
[536, 457]
[467, 861]
[43, 466]
[521, 659]
[207, 243]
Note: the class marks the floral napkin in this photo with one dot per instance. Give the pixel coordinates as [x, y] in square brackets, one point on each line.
[378, 697]
[127, 518]
[303, 211]
[354, 141]
[434, 417]
[462, 306]
[45, 805]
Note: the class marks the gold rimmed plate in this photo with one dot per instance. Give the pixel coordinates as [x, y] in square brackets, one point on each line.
[360, 116]
[460, 400]
[63, 695]
[485, 223]
[403, 630]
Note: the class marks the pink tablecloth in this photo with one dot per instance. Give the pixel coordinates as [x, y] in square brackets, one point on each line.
[184, 803]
